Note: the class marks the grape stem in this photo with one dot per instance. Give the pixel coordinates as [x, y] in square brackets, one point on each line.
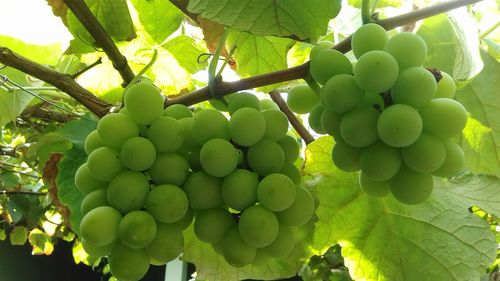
[297, 125]
[365, 12]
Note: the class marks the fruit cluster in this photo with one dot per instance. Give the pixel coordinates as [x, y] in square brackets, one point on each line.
[391, 118]
[150, 171]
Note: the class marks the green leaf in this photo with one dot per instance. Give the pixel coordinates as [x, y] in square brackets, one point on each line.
[493, 48]
[160, 18]
[25, 207]
[18, 235]
[481, 136]
[452, 44]
[76, 131]
[45, 146]
[41, 242]
[383, 239]
[300, 19]
[186, 51]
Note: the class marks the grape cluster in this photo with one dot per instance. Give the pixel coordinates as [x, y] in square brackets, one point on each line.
[392, 119]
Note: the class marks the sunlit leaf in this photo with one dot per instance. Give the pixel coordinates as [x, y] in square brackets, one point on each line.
[18, 235]
[41, 242]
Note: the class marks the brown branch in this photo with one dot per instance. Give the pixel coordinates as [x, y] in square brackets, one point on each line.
[62, 81]
[47, 115]
[7, 151]
[102, 38]
[20, 192]
[297, 125]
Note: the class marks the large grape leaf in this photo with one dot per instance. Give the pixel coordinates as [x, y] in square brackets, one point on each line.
[300, 19]
[186, 51]
[452, 44]
[160, 18]
[383, 239]
[481, 136]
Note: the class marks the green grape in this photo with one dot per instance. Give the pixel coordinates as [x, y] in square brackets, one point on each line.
[166, 134]
[399, 125]
[292, 172]
[100, 226]
[367, 38]
[266, 104]
[144, 103]
[218, 157]
[209, 124]
[266, 157]
[276, 192]
[186, 220]
[380, 161]
[359, 126]
[301, 210]
[96, 198]
[167, 203]
[138, 154]
[446, 86]
[454, 161]
[416, 86]
[290, 147]
[92, 142]
[330, 121]
[194, 159]
[410, 187]
[189, 142]
[373, 100]
[283, 245]
[323, 45]
[276, 124]
[137, 229]
[425, 155]
[444, 118]
[115, 128]
[239, 189]
[128, 191]
[315, 119]
[96, 251]
[177, 111]
[169, 168]
[128, 264]
[211, 225]
[85, 182]
[258, 226]
[327, 63]
[346, 157]
[221, 104]
[241, 100]
[261, 258]
[373, 187]
[203, 191]
[341, 93]
[104, 164]
[301, 99]
[167, 244]
[408, 49]
[235, 251]
[247, 126]
[376, 71]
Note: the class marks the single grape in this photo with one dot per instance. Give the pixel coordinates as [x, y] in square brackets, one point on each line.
[126, 263]
[258, 226]
[100, 226]
[408, 49]
[276, 192]
[169, 168]
[115, 128]
[290, 147]
[283, 245]
[92, 142]
[373, 100]
[96, 251]
[315, 119]
[416, 86]
[346, 157]
[85, 182]
[399, 125]
[138, 154]
[239, 189]
[211, 225]
[410, 187]
[166, 134]
[376, 71]
[144, 102]
[330, 121]
[301, 210]
[367, 38]
[186, 220]
[167, 203]
[323, 45]
[444, 118]
[267, 104]
[276, 124]
[341, 93]
[292, 172]
[235, 251]
[209, 124]
[359, 126]
[189, 142]
[104, 164]
[446, 86]
[327, 63]
[128, 191]
[177, 111]
[261, 258]
[373, 187]
[380, 161]
[247, 126]
[425, 155]
[96, 198]
[203, 191]
[241, 100]
[167, 244]
[221, 104]
[137, 229]
[218, 157]
[454, 161]
[266, 157]
[301, 99]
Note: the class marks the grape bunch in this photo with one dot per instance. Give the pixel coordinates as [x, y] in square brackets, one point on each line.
[392, 119]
